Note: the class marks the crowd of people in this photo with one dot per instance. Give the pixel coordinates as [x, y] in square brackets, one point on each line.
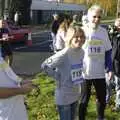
[84, 56]
[99, 67]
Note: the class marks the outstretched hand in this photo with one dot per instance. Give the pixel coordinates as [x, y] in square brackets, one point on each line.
[27, 86]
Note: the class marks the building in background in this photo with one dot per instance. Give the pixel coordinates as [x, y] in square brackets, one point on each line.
[42, 10]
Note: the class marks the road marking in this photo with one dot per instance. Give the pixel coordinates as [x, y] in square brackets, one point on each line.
[22, 47]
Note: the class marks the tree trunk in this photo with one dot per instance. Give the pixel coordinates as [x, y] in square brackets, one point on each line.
[6, 10]
[1, 8]
[118, 9]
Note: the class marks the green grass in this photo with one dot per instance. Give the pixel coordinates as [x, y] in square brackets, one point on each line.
[41, 104]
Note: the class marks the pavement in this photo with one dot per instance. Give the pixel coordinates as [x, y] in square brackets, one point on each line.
[28, 63]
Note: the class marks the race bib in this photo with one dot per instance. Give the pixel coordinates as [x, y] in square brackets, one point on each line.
[76, 73]
[95, 48]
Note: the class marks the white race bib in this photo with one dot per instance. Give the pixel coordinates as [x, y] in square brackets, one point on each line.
[95, 48]
[76, 73]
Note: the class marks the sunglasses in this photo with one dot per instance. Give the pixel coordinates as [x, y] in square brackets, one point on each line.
[97, 17]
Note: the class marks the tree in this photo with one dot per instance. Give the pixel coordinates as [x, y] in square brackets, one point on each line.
[1, 8]
[118, 8]
[23, 7]
[109, 6]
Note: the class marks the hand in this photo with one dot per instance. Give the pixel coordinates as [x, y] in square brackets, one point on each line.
[110, 74]
[5, 39]
[27, 87]
[25, 82]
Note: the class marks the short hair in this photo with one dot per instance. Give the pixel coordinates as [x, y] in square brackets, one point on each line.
[71, 32]
[55, 15]
[95, 7]
[84, 19]
[75, 17]
[116, 21]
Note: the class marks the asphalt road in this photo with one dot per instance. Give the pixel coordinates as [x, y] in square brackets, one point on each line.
[27, 59]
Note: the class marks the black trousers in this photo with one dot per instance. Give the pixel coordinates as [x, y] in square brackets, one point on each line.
[100, 87]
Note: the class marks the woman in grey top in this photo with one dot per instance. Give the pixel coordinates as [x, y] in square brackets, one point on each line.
[66, 67]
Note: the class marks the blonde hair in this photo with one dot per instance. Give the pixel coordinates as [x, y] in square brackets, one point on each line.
[64, 25]
[95, 7]
[71, 32]
[116, 21]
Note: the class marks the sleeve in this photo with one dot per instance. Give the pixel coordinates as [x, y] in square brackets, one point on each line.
[60, 43]
[6, 30]
[108, 52]
[108, 60]
[50, 64]
[10, 73]
[107, 42]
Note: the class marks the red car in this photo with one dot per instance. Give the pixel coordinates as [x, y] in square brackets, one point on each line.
[18, 33]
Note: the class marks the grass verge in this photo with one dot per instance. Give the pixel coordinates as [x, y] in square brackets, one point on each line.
[41, 105]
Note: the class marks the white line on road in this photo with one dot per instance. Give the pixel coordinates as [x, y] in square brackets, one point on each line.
[22, 47]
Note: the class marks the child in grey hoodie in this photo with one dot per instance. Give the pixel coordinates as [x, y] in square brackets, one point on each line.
[66, 66]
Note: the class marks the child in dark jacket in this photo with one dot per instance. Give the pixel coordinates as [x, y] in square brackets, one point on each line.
[115, 41]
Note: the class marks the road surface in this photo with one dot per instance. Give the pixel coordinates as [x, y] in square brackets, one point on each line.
[27, 60]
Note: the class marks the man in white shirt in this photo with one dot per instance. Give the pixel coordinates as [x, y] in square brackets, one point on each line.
[97, 58]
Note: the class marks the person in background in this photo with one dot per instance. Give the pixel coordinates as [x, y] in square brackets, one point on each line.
[54, 29]
[60, 36]
[84, 20]
[108, 87]
[75, 20]
[115, 40]
[16, 18]
[66, 67]
[12, 91]
[5, 44]
[97, 59]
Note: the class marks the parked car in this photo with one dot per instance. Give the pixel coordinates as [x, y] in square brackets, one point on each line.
[18, 33]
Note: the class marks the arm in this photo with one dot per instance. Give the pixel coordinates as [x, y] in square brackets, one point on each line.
[52, 62]
[108, 60]
[60, 43]
[108, 52]
[22, 87]
[108, 63]
[9, 92]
